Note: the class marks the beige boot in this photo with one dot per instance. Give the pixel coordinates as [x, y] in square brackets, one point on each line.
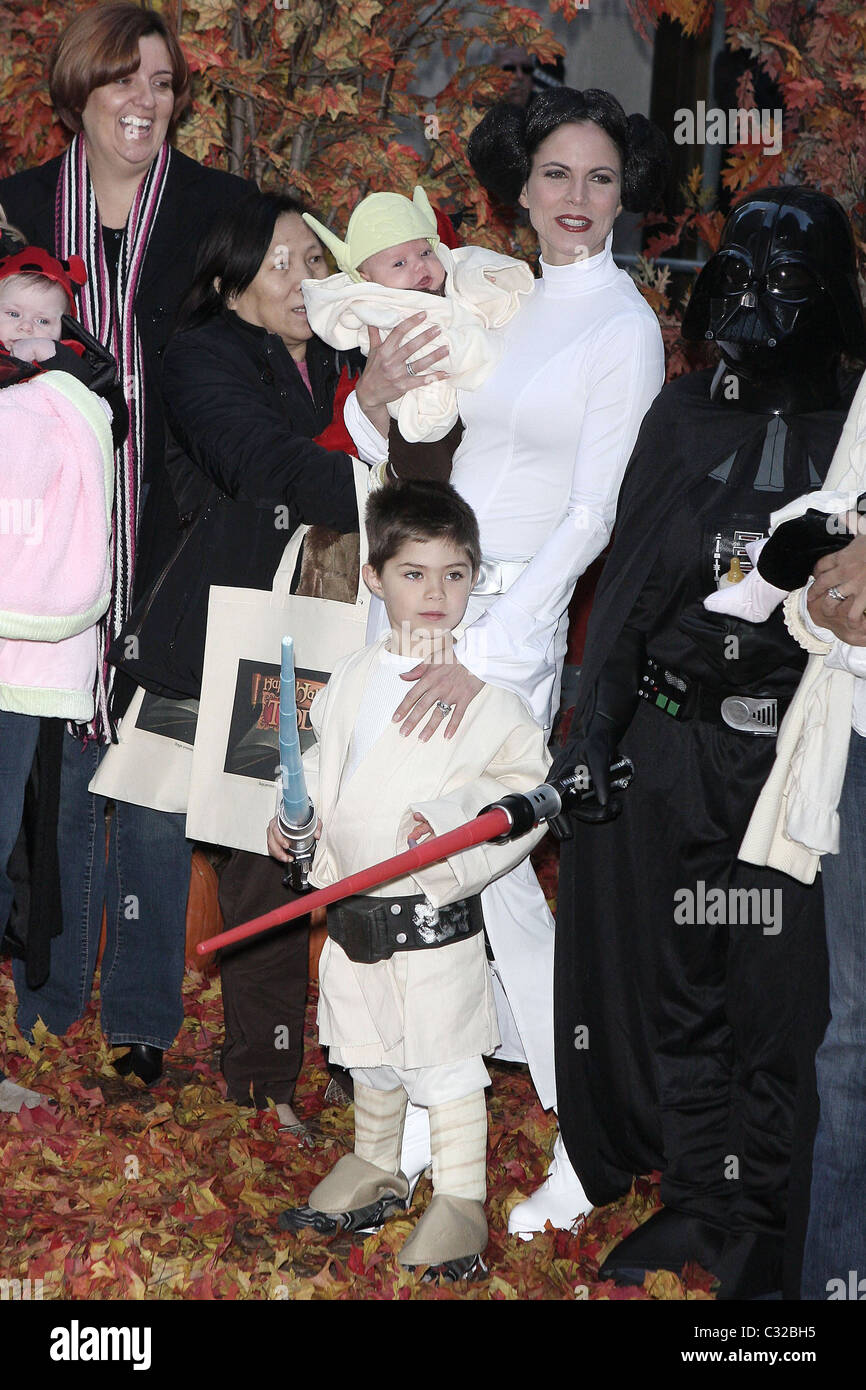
[355, 1196]
[353, 1182]
[365, 1188]
[452, 1232]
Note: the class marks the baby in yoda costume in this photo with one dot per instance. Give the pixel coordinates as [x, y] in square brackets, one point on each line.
[391, 263]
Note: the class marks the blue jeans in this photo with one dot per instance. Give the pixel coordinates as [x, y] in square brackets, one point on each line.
[144, 885]
[836, 1238]
[19, 734]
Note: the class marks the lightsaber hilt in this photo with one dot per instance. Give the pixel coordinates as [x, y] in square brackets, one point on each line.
[303, 846]
[525, 810]
[554, 799]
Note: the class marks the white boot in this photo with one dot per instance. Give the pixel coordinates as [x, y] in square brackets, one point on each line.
[416, 1154]
[560, 1200]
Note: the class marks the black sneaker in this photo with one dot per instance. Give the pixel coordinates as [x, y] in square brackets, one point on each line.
[366, 1219]
[466, 1267]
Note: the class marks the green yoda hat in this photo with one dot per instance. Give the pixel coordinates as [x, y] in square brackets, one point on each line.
[379, 221]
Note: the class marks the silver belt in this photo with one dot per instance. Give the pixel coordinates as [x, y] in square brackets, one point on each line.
[495, 576]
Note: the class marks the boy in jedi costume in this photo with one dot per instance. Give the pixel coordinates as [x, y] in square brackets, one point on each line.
[406, 999]
[391, 263]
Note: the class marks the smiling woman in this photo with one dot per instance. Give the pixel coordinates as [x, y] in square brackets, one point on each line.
[573, 193]
[134, 209]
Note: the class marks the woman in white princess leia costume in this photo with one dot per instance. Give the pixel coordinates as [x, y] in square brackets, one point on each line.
[546, 441]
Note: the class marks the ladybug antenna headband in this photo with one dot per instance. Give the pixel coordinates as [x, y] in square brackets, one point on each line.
[69, 275]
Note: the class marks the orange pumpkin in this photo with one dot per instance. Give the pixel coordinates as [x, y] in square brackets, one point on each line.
[203, 916]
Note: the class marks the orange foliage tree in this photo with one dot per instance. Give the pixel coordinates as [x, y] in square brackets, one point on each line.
[324, 95]
[816, 55]
[318, 94]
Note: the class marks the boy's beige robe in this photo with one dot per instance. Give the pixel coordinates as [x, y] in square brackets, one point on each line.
[420, 1008]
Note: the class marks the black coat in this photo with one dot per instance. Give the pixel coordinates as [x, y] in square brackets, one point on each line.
[192, 197]
[245, 472]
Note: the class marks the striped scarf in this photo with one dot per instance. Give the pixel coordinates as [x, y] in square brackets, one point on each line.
[111, 319]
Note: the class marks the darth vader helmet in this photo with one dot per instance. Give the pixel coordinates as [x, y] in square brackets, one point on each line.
[783, 285]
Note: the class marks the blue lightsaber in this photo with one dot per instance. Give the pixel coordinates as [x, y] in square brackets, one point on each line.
[296, 816]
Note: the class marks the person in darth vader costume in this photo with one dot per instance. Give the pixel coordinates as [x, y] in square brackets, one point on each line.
[690, 987]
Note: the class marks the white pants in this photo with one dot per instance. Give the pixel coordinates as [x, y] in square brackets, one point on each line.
[427, 1086]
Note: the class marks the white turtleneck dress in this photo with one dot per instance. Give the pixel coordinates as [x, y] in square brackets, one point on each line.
[547, 439]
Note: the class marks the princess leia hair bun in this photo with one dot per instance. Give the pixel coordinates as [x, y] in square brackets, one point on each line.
[502, 145]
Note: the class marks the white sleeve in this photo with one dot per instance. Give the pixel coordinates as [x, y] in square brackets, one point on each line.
[371, 445]
[627, 374]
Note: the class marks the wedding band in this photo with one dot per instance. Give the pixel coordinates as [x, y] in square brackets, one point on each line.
[446, 709]
[834, 593]
[410, 369]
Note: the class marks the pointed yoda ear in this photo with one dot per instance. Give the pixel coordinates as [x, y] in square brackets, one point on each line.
[422, 203]
[337, 248]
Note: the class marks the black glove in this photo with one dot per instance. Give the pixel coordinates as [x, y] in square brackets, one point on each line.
[594, 745]
[737, 653]
[793, 551]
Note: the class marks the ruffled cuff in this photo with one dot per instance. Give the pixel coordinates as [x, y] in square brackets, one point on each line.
[800, 625]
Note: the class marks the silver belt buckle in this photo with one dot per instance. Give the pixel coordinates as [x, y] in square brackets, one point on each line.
[749, 715]
[489, 579]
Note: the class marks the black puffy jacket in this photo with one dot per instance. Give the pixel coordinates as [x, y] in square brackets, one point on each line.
[245, 473]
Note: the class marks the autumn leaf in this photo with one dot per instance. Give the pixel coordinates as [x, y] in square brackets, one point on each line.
[333, 49]
[213, 14]
[332, 100]
[375, 55]
[363, 12]
[746, 91]
[803, 92]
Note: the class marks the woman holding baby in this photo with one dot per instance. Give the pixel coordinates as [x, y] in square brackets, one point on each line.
[546, 441]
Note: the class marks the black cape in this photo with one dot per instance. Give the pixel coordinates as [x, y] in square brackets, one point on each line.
[617, 880]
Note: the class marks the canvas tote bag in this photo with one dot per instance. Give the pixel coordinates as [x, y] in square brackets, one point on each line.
[236, 757]
[151, 763]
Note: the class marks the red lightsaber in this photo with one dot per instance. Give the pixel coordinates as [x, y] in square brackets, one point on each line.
[508, 819]
[488, 826]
